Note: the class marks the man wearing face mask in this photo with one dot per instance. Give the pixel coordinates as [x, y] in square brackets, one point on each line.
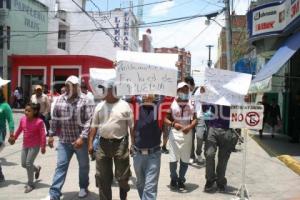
[71, 119]
[182, 119]
[113, 120]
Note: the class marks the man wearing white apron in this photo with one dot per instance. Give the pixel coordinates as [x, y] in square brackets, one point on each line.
[182, 119]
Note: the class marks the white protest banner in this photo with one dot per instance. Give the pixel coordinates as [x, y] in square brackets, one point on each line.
[249, 116]
[224, 87]
[136, 79]
[157, 59]
[99, 77]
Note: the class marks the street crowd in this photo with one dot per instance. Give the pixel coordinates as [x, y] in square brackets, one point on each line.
[115, 128]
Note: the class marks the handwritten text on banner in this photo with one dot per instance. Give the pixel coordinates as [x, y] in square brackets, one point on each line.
[136, 78]
[225, 87]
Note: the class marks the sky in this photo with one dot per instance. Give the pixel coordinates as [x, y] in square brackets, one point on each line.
[193, 35]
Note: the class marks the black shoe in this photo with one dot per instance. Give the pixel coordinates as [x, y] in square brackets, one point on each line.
[173, 185]
[37, 173]
[209, 186]
[123, 194]
[222, 188]
[181, 185]
[272, 136]
[164, 150]
[2, 179]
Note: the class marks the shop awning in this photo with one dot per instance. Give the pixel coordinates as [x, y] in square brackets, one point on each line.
[282, 55]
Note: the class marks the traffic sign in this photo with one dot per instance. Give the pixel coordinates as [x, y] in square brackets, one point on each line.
[250, 116]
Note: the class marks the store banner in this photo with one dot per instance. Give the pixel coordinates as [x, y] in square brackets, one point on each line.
[137, 79]
[273, 18]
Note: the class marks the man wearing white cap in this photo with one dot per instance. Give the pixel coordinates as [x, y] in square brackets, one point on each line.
[40, 98]
[182, 119]
[112, 120]
[5, 116]
[71, 119]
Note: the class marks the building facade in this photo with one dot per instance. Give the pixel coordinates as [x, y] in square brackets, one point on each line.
[184, 60]
[273, 28]
[90, 33]
[23, 29]
[52, 70]
[239, 41]
[63, 28]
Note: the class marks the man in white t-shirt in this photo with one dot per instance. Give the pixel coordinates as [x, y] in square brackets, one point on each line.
[113, 120]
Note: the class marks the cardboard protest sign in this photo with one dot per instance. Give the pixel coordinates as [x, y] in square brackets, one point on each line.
[249, 116]
[157, 59]
[137, 79]
[99, 78]
[224, 87]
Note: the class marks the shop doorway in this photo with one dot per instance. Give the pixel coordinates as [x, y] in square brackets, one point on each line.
[28, 82]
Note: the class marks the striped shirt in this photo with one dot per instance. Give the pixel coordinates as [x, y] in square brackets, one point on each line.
[71, 119]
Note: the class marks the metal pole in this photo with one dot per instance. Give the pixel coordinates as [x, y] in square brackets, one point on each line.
[228, 35]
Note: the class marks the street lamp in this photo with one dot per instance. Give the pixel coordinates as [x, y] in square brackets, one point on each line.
[209, 62]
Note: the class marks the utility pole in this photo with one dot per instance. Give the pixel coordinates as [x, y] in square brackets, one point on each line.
[228, 35]
[209, 62]
[4, 41]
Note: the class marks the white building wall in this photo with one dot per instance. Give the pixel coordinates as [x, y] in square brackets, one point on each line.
[96, 43]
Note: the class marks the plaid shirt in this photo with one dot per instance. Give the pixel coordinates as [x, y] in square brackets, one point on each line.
[71, 120]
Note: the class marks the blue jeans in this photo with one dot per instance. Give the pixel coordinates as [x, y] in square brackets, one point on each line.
[182, 171]
[147, 168]
[64, 155]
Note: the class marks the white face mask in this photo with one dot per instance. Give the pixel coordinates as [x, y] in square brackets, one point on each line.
[183, 96]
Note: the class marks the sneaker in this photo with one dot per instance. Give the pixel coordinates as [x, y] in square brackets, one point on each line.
[181, 185]
[173, 184]
[164, 150]
[47, 198]
[123, 194]
[209, 186]
[82, 193]
[28, 189]
[192, 161]
[37, 173]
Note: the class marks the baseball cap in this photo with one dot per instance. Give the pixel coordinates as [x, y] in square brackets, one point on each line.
[38, 87]
[73, 79]
[181, 85]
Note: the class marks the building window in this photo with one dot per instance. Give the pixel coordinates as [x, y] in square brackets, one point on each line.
[62, 45]
[1, 37]
[8, 37]
[62, 34]
[8, 4]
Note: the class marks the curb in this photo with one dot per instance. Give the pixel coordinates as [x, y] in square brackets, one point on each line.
[290, 162]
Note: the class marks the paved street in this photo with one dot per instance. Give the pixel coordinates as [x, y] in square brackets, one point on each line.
[267, 178]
